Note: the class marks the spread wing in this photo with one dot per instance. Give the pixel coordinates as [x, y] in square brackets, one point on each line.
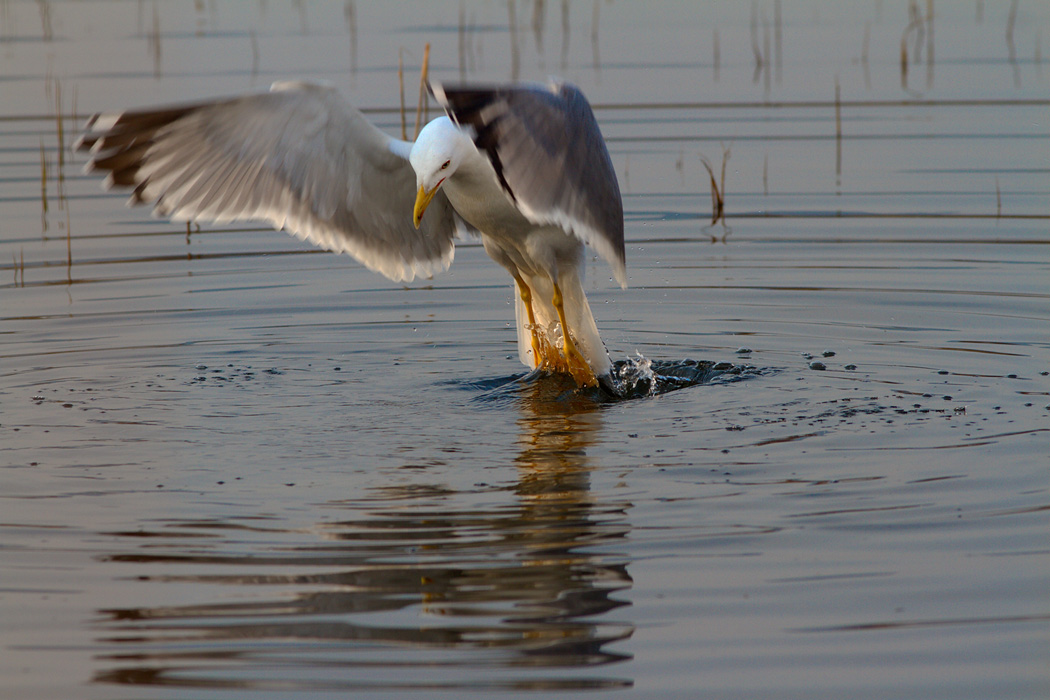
[549, 156]
[299, 156]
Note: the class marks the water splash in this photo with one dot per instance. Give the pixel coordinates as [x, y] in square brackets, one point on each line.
[641, 377]
[630, 378]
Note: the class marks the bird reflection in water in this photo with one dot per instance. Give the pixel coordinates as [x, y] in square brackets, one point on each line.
[421, 588]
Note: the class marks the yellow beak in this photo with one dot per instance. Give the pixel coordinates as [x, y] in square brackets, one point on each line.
[422, 202]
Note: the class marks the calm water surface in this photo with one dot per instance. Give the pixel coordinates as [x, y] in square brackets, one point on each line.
[232, 466]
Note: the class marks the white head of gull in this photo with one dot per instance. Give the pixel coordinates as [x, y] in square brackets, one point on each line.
[522, 166]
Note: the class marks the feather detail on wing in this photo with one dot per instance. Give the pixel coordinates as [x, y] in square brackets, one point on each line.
[550, 158]
[299, 156]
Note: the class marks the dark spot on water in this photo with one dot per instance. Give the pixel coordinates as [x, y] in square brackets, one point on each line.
[743, 351]
[817, 365]
[850, 367]
[942, 371]
[828, 353]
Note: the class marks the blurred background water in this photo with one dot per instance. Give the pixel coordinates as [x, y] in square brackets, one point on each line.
[234, 466]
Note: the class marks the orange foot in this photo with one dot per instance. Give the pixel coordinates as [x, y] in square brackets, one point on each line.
[575, 364]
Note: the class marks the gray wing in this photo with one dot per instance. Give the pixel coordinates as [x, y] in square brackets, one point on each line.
[299, 156]
[549, 157]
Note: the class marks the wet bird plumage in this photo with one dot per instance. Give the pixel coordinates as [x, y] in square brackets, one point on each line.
[524, 167]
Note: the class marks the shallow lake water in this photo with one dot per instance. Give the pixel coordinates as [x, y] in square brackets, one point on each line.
[233, 466]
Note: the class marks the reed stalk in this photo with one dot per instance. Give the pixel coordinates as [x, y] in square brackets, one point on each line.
[401, 86]
[423, 73]
[718, 186]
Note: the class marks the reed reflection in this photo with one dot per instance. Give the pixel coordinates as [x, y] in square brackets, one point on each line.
[418, 589]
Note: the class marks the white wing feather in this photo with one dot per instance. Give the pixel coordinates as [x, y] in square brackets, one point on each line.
[299, 156]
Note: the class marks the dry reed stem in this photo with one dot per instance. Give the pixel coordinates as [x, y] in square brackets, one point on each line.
[61, 136]
[725, 159]
[904, 59]
[1011, 50]
[423, 72]
[43, 182]
[754, 40]
[917, 24]
[69, 250]
[838, 127]
[1011, 20]
[401, 86]
[19, 265]
[718, 203]
[765, 175]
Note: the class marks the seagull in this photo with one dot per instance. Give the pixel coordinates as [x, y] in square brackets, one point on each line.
[523, 166]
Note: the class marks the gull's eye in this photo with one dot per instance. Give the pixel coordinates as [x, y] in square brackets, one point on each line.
[446, 164]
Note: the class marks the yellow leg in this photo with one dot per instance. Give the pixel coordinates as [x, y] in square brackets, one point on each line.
[526, 298]
[577, 365]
